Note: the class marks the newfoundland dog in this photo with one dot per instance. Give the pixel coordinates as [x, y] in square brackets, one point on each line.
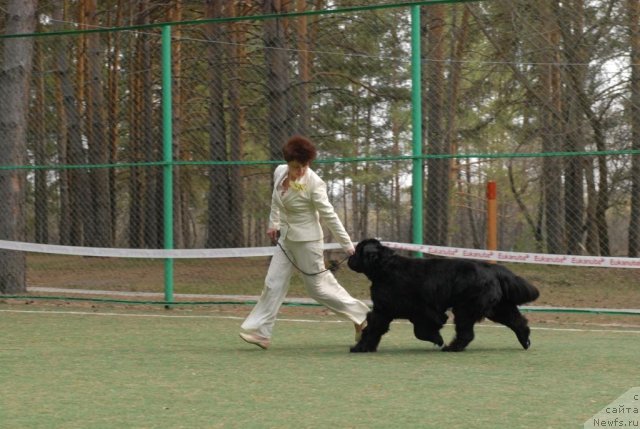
[422, 290]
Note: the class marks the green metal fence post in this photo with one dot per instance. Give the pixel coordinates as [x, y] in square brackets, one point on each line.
[416, 121]
[167, 169]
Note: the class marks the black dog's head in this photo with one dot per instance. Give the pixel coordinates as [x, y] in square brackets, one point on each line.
[369, 255]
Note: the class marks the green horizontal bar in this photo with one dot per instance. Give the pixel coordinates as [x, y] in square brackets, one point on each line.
[240, 18]
[323, 161]
[486, 156]
[580, 311]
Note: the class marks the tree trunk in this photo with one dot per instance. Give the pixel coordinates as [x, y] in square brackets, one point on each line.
[219, 225]
[357, 208]
[551, 127]
[634, 106]
[458, 47]
[437, 198]
[74, 104]
[366, 200]
[142, 186]
[236, 120]
[533, 223]
[15, 76]
[571, 25]
[63, 92]
[592, 243]
[304, 70]
[602, 203]
[41, 197]
[475, 238]
[113, 113]
[100, 226]
[397, 125]
[152, 147]
[277, 79]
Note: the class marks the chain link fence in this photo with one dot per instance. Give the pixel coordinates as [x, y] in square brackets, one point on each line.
[542, 98]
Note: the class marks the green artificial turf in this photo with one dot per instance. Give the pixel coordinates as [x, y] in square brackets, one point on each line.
[153, 368]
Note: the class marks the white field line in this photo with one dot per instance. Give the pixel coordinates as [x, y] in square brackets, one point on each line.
[178, 316]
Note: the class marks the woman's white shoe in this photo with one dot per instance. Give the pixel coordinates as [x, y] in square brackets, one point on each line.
[259, 341]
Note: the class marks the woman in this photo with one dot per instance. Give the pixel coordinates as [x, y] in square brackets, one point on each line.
[298, 203]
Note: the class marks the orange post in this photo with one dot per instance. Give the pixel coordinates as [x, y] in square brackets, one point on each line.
[492, 216]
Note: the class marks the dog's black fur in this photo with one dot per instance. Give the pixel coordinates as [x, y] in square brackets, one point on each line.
[422, 290]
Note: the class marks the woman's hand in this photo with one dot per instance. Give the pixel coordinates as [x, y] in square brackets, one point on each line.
[350, 251]
[273, 233]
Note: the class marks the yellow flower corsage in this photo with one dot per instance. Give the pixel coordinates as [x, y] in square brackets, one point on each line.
[300, 187]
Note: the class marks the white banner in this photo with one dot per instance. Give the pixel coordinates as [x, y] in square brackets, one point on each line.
[527, 258]
[239, 252]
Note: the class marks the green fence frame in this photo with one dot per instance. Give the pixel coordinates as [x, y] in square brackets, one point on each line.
[167, 153]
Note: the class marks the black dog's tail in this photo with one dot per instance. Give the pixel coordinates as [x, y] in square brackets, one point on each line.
[515, 289]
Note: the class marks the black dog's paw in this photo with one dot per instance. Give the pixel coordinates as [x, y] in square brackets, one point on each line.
[451, 348]
[435, 339]
[438, 341]
[360, 348]
[523, 338]
[430, 334]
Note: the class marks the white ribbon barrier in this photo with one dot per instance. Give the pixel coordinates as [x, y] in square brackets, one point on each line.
[108, 252]
[240, 252]
[527, 258]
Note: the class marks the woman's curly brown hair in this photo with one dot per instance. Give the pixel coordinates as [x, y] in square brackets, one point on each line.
[299, 148]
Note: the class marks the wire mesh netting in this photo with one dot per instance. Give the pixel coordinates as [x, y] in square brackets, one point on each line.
[541, 98]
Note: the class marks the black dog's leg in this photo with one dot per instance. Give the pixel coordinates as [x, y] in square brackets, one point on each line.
[509, 315]
[464, 321]
[426, 331]
[428, 328]
[377, 326]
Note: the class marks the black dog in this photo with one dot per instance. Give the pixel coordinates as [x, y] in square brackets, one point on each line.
[422, 290]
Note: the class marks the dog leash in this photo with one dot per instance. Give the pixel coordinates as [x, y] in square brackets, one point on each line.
[333, 265]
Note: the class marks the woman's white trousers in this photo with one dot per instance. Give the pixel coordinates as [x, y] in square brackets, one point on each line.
[324, 288]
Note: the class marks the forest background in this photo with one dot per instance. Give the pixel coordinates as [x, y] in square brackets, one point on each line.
[542, 98]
